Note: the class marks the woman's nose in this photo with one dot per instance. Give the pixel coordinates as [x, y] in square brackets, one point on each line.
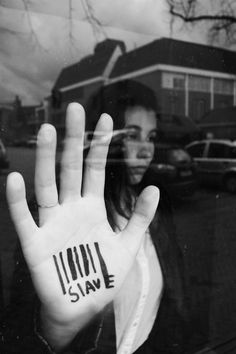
[145, 150]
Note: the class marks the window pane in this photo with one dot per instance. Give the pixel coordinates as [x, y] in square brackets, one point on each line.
[196, 150]
[199, 83]
[218, 151]
[223, 86]
[173, 80]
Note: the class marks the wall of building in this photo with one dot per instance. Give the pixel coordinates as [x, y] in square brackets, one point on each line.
[199, 104]
[221, 100]
[169, 101]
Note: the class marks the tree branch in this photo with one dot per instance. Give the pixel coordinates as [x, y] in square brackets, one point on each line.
[216, 17]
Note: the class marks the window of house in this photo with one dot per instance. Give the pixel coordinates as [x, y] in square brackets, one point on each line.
[173, 81]
[199, 83]
[224, 86]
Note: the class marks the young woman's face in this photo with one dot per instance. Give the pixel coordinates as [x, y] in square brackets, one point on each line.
[139, 141]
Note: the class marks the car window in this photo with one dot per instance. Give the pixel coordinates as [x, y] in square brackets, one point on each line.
[196, 150]
[217, 150]
[232, 153]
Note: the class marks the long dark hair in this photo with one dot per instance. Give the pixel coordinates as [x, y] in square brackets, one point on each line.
[119, 194]
[115, 99]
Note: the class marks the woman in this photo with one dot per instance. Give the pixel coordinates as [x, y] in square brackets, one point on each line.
[87, 272]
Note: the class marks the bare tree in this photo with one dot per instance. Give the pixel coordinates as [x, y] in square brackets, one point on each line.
[219, 16]
[90, 17]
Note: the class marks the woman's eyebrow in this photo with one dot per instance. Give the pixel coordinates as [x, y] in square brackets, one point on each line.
[133, 126]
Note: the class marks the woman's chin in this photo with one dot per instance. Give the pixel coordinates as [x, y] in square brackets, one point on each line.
[135, 179]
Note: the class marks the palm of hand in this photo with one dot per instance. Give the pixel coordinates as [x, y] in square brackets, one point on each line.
[77, 256]
[76, 261]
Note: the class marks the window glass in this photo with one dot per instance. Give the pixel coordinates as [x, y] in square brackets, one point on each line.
[168, 81]
[218, 150]
[232, 153]
[199, 83]
[224, 86]
[196, 150]
[173, 81]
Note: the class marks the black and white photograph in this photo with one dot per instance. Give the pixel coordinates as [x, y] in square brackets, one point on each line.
[118, 176]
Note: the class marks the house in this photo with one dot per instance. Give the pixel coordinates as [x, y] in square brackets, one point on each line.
[188, 79]
[79, 81]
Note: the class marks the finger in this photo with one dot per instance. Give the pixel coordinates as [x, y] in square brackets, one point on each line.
[94, 179]
[23, 221]
[72, 157]
[45, 182]
[142, 216]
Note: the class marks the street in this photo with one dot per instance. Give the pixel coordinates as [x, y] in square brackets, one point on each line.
[206, 230]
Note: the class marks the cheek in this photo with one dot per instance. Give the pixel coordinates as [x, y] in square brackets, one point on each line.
[152, 150]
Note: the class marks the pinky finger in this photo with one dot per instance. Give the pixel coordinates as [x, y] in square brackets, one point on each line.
[21, 216]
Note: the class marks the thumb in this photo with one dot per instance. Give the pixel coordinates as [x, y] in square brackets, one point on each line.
[141, 218]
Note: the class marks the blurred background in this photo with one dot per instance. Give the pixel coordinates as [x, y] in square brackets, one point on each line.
[52, 53]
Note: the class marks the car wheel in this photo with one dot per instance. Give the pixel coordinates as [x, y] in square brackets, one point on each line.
[230, 183]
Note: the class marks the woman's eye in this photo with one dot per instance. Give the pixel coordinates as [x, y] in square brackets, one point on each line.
[152, 138]
[132, 136]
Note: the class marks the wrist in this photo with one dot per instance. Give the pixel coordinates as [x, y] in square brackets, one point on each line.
[59, 334]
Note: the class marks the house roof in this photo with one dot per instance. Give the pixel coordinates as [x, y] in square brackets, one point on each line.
[177, 53]
[89, 67]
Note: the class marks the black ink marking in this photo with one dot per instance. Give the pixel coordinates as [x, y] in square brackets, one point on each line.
[109, 281]
[71, 263]
[85, 259]
[89, 287]
[59, 275]
[64, 268]
[73, 294]
[91, 258]
[107, 277]
[81, 290]
[97, 283]
[77, 262]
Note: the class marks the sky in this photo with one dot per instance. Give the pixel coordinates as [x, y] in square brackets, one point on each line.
[40, 37]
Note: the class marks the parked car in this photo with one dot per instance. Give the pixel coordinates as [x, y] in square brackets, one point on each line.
[4, 162]
[215, 161]
[174, 168]
[31, 141]
[172, 165]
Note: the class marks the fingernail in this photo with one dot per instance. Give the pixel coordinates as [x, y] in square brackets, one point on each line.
[46, 133]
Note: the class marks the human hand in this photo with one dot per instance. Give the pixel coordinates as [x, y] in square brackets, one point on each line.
[77, 262]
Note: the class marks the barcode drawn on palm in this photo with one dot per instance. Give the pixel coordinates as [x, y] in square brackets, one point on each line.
[76, 264]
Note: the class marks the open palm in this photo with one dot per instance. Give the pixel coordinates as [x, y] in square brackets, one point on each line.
[76, 261]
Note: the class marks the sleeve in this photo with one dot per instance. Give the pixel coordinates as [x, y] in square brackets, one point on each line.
[20, 326]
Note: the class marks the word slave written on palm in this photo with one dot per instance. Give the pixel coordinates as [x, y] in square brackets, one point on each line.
[77, 262]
